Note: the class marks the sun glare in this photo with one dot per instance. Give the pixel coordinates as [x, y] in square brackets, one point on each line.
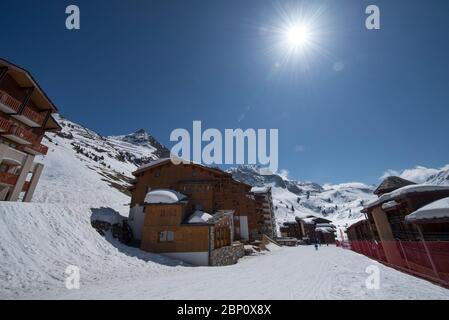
[297, 36]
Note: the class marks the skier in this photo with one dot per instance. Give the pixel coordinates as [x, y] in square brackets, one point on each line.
[316, 246]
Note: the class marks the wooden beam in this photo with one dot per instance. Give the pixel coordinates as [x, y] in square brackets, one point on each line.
[3, 72]
[47, 117]
[29, 92]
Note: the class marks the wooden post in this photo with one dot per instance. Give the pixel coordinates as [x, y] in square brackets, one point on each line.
[428, 252]
[29, 92]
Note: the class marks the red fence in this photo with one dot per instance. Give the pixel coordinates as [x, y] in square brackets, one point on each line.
[426, 259]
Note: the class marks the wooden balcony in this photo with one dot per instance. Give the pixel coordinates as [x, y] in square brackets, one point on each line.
[19, 135]
[35, 148]
[11, 106]
[4, 124]
[8, 179]
[30, 117]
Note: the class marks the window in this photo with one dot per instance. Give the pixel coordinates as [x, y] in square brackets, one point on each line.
[166, 236]
[157, 173]
[194, 172]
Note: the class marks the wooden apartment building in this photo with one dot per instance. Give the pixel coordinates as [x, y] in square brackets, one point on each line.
[25, 116]
[208, 189]
[264, 204]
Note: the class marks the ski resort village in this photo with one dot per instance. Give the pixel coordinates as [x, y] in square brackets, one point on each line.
[86, 216]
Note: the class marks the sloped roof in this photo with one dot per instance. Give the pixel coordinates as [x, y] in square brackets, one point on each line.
[406, 191]
[25, 79]
[391, 183]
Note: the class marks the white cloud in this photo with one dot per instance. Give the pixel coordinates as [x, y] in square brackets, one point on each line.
[419, 174]
[283, 173]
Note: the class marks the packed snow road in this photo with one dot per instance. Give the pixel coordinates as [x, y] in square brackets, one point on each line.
[39, 241]
[287, 273]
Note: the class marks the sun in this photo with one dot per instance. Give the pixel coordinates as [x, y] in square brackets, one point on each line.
[297, 36]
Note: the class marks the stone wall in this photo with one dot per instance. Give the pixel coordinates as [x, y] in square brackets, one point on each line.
[226, 256]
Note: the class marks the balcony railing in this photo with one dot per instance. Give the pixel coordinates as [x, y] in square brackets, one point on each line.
[35, 148]
[8, 178]
[21, 133]
[4, 124]
[13, 105]
[9, 101]
[33, 115]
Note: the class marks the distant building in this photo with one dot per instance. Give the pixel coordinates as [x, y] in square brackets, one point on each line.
[310, 229]
[290, 229]
[359, 231]
[316, 229]
[25, 116]
[264, 201]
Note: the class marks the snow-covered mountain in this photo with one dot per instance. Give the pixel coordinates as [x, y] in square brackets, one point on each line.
[84, 167]
[341, 202]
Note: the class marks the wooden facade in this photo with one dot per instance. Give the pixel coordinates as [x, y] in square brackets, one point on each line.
[207, 188]
[359, 231]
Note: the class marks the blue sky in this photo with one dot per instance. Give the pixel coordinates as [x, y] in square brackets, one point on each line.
[159, 65]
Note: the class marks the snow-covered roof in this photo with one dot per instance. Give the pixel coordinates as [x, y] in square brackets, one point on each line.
[309, 220]
[151, 164]
[166, 196]
[389, 205]
[324, 230]
[415, 188]
[435, 210]
[260, 189]
[199, 217]
[324, 225]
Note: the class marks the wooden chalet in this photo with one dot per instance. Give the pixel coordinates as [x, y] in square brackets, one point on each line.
[208, 189]
[386, 215]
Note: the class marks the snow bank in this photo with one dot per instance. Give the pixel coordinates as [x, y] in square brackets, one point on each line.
[39, 241]
[435, 210]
